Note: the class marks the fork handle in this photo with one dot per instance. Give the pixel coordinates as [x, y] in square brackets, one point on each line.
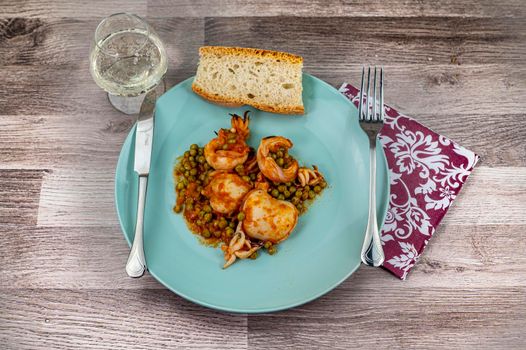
[372, 251]
[136, 264]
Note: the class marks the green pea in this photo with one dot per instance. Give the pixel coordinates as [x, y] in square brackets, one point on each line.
[201, 159]
[208, 217]
[222, 223]
[298, 193]
[178, 208]
[292, 189]
[206, 233]
[312, 194]
[191, 178]
[286, 194]
[281, 197]
[200, 151]
[253, 176]
[193, 152]
[199, 222]
[274, 193]
[224, 147]
[323, 184]
[207, 208]
[254, 255]
[201, 214]
[305, 195]
[267, 244]
[282, 188]
[231, 141]
[194, 147]
[241, 216]
[280, 161]
[186, 154]
[207, 166]
[317, 189]
[191, 159]
[273, 155]
[279, 154]
[189, 207]
[239, 169]
[272, 250]
[232, 224]
[189, 200]
[306, 188]
[299, 206]
[193, 171]
[295, 200]
[246, 178]
[180, 185]
[202, 177]
[217, 234]
[229, 231]
[194, 164]
[187, 166]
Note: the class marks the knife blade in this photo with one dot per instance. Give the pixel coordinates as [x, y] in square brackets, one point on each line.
[136, 264]
[144, 134]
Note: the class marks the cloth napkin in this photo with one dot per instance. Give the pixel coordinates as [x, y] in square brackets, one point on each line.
[426, 172]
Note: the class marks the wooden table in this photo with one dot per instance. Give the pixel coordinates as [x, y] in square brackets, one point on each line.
[457, 66]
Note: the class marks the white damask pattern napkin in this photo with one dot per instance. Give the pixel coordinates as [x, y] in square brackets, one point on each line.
[426, 171]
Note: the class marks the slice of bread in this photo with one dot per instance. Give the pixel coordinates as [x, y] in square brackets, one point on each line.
[235, 76]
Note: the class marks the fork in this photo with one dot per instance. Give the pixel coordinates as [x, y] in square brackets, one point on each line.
[372, 252]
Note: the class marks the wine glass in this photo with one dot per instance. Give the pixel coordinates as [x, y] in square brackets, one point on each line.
[127, 59]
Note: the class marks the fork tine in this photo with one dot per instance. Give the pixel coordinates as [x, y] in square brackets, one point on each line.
[375, 97]
[360, 103]
[367, 112]
[381, 116]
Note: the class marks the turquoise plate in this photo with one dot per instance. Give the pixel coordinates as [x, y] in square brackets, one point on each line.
[323, 250]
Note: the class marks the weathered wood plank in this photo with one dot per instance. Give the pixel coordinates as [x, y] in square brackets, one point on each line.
[426, 41]
[63, 257]
[67, 8]
[440, 90]
[400, 318]
[71, 257]
[320, 8]
[67, 41]
[101, 319]
[19, 196]
[335, 42]
[187, 8]
[67, 198]
[48, 141]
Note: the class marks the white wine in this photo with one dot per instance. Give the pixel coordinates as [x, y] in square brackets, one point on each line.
[128, 62]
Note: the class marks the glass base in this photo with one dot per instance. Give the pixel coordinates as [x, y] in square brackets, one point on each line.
[132, 104]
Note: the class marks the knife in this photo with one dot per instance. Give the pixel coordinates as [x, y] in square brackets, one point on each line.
[136, 264]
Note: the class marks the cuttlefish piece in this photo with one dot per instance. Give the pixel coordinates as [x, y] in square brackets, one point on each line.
[226, 192]
[268, 165]
[309, 177]
[267, 218]
[234, 249]
[234, 140]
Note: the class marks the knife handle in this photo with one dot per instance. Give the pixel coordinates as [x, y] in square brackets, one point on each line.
[136, 264]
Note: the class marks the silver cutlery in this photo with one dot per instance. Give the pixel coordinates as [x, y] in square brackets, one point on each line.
[371, 122]
[136, 264]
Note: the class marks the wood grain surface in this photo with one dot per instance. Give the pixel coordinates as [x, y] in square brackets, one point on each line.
[457, 66]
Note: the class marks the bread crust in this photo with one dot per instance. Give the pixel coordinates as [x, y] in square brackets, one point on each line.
[238, 102]
[247, 51]
[233, 102]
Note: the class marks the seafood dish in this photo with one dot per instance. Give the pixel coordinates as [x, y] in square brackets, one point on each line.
[242, 199]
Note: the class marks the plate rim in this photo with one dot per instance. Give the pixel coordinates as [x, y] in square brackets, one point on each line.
[236, 309]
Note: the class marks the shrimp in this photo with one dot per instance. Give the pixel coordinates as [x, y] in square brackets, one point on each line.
[229, 148]
[268, 165]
